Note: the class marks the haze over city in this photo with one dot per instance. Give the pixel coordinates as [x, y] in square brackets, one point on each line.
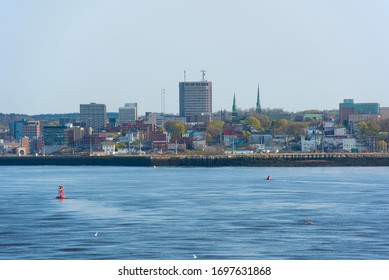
[303, 54]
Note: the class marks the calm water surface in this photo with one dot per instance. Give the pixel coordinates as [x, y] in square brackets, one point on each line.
[175, 213]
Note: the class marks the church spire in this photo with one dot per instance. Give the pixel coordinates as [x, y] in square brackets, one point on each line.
[258, 105]
[234, 108]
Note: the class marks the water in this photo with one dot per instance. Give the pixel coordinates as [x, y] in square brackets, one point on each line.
[176, 213]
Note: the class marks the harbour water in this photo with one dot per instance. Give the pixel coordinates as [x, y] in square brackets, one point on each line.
[185, 213]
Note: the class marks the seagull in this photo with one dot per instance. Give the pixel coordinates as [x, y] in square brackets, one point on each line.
[97, 233]
[194, 256]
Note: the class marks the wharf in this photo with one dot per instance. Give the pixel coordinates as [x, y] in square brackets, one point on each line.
[258, 160]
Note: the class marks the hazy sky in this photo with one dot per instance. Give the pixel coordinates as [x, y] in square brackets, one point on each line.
[304, 54]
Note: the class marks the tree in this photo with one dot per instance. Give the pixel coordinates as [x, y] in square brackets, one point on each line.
[369, 128]
[253, 121]
[265, 122]
[381, 146]
[384, 125]
[373, 128]
[281, 123]
[175, 128]
[214, 129]
[362, 127]
[295, 128]
[280, 126]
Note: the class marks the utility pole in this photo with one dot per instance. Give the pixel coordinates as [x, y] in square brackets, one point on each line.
[163, 101]
[233, 144]
[90, 145]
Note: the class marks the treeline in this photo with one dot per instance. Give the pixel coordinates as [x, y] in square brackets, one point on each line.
[6, 120]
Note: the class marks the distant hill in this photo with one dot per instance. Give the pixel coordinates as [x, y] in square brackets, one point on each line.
[6, 120]
[54, 117]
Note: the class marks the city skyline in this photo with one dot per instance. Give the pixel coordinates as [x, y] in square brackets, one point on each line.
[303, 55]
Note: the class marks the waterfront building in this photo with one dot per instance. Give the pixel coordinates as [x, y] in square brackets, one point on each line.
[159, 141]
[128, 113]
[55, 135]
[26, 128]
[93, 116]
[108, 147]
[24, 148]
[195, 99]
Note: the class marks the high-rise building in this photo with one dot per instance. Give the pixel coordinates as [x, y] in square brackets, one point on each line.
[128, 113]
[196, 100]
[93, 116]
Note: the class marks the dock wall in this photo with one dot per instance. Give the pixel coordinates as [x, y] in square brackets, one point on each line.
[263, 160]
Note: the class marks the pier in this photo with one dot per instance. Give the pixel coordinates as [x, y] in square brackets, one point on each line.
[258, 160]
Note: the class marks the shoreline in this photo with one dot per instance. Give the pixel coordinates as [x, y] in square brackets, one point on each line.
[259, 160]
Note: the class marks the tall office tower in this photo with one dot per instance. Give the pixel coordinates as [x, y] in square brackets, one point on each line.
[128, 113]
[196, 100]
[94, 116]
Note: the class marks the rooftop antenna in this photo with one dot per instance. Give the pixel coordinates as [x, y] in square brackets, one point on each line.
[163, 101]
[184, 76]
[203, 71]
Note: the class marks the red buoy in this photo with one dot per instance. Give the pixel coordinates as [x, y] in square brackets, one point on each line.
[61, 193]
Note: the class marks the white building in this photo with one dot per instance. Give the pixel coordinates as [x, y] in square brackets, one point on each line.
[341, 131]
[159, 119]
[108, 147]
[307, 145]
[349, 144]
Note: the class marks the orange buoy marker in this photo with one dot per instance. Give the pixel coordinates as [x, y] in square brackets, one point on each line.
[61, 193]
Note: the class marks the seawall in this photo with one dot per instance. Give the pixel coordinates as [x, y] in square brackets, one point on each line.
[263, 160]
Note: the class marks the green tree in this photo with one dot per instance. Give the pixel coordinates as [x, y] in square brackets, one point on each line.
[280, 126]
[253, 121]
[281, 123]
[175, 128]
[362, 127]
[369, 128]
[215, 129]
[373, 128]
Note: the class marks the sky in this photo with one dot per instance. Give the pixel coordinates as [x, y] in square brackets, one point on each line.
[303, 54]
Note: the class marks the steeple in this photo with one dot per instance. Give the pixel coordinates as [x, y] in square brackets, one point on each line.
[234, 109]
[258, 105]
